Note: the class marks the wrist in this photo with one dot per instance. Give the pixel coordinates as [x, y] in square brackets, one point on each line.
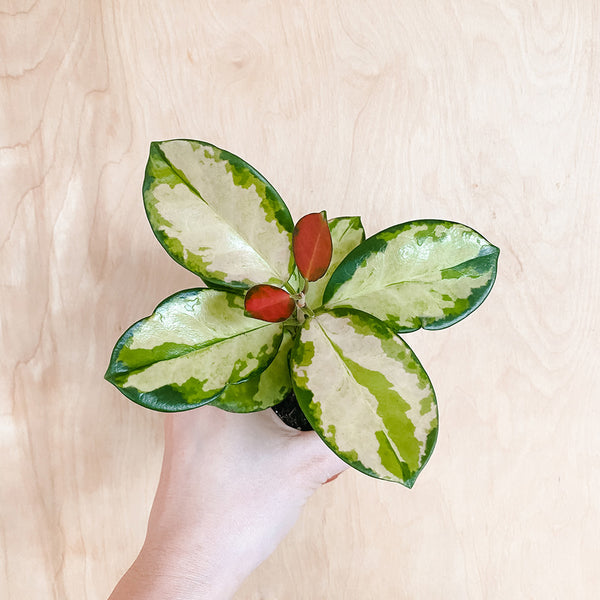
[165, 572]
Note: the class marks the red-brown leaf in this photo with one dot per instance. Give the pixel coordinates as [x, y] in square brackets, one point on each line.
[312, 247]
[268, 303]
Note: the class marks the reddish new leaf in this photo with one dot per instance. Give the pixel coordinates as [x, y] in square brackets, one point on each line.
[312, 247]
[268, 303]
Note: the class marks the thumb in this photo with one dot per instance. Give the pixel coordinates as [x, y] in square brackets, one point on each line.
[325, 465]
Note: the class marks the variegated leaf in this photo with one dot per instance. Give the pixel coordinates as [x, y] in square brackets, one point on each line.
[366, 394]
[296, 281]
[346, 234]
[427, 274]
[263, 390]
[193, 345]
[216, 215]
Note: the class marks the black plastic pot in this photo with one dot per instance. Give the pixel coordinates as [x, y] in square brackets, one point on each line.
[291, 414]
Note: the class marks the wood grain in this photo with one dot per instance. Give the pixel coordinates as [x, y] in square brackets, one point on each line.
[484, 112]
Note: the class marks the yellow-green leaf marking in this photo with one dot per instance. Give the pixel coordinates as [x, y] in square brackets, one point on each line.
[194, 344]
[216, 215]
[366, 394]
[427, 274]
[263, 390]
[346, 234]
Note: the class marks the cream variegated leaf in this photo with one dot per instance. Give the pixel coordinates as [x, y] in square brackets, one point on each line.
[263, 390]
[427, 274]
[216, 215]
[193, 345]
[346, 234]
[365, 393]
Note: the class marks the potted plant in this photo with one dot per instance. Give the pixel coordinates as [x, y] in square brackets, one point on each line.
[304, 318]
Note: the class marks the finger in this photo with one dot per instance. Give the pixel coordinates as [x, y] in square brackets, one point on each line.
[335, 467]
[325, 464]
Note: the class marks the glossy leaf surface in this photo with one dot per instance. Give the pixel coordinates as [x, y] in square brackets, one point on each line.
[269, 303]
[366, 394]
[427, 274]
[193, 345]
[216, 215]
[346, 234]
[263, 390]
[296, 281]
[311, 244]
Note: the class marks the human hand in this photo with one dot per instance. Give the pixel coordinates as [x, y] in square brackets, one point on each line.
[231, 487]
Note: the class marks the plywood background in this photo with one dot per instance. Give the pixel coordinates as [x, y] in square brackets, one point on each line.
[485, 112]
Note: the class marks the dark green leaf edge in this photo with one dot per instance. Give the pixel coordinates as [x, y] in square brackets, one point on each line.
[378, 241]
[354, 220]
[282, 213]
[304, 397]
[166, 398]
[253, 381]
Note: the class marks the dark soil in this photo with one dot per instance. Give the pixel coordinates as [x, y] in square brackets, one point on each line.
[289, 412]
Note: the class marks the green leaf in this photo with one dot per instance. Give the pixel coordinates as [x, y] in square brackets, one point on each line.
[366, 394]
[295, 282]
[194, 344]
[263, 390]
[217, 216]
[427, 274]
[346, 234]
